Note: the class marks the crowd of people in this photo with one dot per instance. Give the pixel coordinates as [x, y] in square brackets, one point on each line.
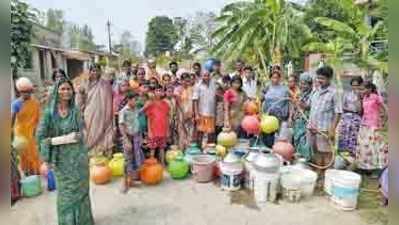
[141, 112]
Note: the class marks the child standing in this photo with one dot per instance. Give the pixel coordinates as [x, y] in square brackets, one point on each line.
[157, 111]
[171, 100]
[234, 100]
[185, 124]
[132, 140]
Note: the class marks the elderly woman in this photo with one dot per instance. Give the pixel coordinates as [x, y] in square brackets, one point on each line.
[300, 111]
[25, 112]
[69, 157]
[95, 101]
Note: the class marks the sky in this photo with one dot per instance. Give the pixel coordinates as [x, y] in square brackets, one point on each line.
[130, 15]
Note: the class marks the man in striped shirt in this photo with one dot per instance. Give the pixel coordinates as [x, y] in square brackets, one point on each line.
[325, 113]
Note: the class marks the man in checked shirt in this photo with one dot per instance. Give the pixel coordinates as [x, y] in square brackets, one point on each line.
[325, 113]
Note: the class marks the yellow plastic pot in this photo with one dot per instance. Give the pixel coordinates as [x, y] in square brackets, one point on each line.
[269, 124]
[117, 165]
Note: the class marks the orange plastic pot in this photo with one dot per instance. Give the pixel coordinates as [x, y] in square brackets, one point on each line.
[251, 108]
[100, 172]
[151, 172]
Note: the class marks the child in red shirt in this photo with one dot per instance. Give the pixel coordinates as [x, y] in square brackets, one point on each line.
[157, 111]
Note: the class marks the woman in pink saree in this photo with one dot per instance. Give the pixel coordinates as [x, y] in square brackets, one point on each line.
[95, 101]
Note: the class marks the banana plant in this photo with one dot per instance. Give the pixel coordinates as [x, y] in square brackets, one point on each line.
[268, 28]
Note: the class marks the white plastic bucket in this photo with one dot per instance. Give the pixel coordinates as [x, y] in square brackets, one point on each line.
[230, 178]
[309, 179]
[291, 184]
[265, 186]
[329, 174]
[345, 189]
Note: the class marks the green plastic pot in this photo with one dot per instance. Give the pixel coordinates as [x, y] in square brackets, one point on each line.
[31, 186]
[178, 168]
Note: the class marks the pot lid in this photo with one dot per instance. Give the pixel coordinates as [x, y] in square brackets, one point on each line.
[267, 161]
[251, 156]
[179, 158]
[231, 158]
[118, 155]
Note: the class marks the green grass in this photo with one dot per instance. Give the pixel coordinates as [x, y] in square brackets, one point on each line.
[369, 203]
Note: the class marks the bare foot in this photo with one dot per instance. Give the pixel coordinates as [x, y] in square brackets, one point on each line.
[125, 186]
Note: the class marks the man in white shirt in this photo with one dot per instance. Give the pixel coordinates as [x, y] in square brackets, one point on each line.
[249, 82]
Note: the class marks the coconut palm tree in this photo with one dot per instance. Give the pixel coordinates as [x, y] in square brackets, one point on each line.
[270, 29]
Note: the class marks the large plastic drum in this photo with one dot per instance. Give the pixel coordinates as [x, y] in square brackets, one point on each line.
[266, 187]
[345, 189]
[231, 177]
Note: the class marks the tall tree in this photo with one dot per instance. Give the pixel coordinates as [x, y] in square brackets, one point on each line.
[86, 41]
[55, 20]
[201, 27]
[128, 47]
[79, 37]
[21, 32]
[161, 36]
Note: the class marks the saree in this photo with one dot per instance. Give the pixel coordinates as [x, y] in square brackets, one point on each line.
[300, 128]
[119, 101]
[15, 186]
[96, 104]
[70, 163]
[236, 102]
[185, 124]
[372, 149]
[26, 122]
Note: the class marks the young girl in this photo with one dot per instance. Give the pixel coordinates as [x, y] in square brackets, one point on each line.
[372, 149]
[132, 140]
[185, 125]
[171, 100]
[234, 100]
[166, 80]
[293, 87]
[157, 111]
[223, 85]
[119, 101]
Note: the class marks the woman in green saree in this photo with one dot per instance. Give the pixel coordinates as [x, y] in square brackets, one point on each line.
[300, 110]
[69, 159]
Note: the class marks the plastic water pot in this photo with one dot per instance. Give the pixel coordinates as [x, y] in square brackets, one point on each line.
[345, 189]
[231, 169]
[203, 168]
[31, 186]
